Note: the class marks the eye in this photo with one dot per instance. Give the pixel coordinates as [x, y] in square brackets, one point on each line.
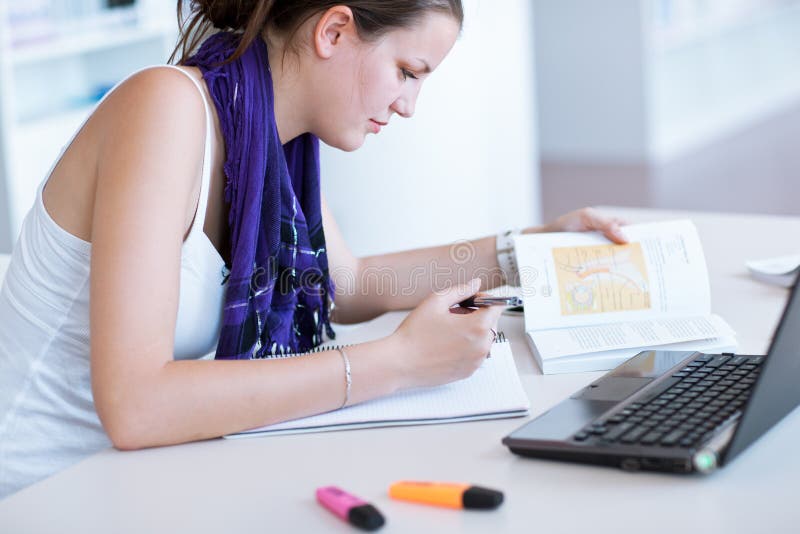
[408, 74]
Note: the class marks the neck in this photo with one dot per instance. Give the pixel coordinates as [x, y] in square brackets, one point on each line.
[289, 95]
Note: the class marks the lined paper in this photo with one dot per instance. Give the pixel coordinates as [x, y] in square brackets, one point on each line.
[493, 391]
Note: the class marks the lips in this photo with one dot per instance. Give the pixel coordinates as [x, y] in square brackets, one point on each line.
[376, 126]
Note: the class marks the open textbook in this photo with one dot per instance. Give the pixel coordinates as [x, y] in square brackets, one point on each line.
[591, 304]
[493, 391]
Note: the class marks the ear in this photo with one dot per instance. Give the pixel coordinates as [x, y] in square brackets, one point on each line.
[334, 26]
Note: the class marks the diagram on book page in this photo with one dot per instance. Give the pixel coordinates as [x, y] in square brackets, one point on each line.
[602, 278]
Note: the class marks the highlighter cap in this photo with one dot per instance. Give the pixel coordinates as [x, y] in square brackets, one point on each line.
[365, 517]
[480, 498]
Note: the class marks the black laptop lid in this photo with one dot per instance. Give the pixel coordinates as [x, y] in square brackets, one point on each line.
[777, 391]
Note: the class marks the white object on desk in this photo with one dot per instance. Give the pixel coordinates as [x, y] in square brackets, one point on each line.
[494, 391]
[781, 271]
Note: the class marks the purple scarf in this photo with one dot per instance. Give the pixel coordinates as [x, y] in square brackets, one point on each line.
[279, 293]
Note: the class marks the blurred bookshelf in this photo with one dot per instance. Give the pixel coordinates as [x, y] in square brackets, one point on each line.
[57, 59]
[640, 81]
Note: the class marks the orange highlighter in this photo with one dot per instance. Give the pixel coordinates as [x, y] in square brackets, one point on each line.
[447, 494]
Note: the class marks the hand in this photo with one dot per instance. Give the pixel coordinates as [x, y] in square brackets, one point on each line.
[584, 220]
[439, 345]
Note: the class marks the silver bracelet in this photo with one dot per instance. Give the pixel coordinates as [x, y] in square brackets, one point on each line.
[507, 257]
[347, 377]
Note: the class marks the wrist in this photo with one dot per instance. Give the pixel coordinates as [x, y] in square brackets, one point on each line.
[395, 363]
[377, 369]
[507, 257]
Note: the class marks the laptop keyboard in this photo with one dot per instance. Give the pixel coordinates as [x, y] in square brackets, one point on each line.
[703, 396]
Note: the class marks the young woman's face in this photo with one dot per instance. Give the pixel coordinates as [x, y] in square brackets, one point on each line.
[371, 81]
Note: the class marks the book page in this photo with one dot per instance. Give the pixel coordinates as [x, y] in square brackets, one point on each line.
[578, 279]
[494, 390]
[609, 359]
[562, 342]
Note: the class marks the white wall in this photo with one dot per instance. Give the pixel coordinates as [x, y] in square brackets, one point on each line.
[466, 164]
[591, 82]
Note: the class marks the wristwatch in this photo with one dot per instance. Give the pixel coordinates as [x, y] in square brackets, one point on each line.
[507, 257]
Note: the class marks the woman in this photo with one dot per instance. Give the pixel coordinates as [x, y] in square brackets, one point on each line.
[188, 207]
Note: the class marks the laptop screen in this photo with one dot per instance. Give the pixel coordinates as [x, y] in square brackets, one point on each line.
[776, 393]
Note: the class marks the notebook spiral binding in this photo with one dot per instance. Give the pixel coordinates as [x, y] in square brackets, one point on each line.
[501, 338]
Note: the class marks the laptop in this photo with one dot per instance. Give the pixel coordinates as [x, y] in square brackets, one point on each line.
[674, 411]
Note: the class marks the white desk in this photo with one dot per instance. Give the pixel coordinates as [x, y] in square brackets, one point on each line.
[267, 484]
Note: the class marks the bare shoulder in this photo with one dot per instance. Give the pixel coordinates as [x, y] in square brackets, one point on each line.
[151, 130]
[166, 83]
[152, 99]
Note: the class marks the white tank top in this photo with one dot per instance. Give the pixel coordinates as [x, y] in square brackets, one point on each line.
[47, 415]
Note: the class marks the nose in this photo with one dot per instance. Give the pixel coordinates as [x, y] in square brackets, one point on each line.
[403, 107]
[406, 103]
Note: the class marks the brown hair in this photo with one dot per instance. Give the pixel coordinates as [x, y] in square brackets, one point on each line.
[251, 17]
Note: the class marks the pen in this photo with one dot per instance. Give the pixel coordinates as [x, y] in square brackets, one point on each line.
[350, 508]
[447, 494]
[480, 302]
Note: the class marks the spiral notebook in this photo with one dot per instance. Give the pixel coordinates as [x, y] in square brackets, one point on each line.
[494, 391]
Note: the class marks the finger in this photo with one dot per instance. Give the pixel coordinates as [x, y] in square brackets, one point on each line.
[463, 311]
[495, 317]
[489, 316]
[493, 338]
[459, 292]
[609, 226]
[615, 233]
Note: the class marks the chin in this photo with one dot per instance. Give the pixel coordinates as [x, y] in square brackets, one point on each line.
[346, 143]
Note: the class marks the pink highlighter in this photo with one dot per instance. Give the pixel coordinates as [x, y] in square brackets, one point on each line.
[350, 508]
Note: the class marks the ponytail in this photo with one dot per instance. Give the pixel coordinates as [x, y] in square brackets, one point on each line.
[248, 17]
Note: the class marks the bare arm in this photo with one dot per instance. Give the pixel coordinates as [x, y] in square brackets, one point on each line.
[370, 286]
[415, 273]
[149, 160]
[367, 287]
[401, 280]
